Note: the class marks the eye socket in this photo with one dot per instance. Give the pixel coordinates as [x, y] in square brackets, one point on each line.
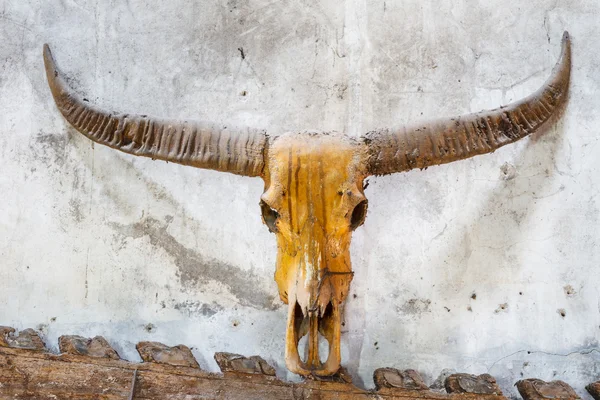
[269, 216]
[358, 214]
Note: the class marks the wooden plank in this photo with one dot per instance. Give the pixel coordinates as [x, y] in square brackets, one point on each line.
[28, 374]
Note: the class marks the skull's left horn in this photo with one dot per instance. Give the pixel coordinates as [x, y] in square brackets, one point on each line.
[196, 144]
[458, 138]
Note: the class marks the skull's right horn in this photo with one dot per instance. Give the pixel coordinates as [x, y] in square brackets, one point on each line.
[197, 144]
[452, 139]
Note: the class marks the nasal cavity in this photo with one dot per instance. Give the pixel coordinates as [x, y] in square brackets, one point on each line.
[304, 332]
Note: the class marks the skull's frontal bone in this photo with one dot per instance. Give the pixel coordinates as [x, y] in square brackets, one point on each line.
[313, 201]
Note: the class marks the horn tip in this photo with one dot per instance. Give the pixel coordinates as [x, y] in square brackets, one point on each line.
[566, 46]
[48, 59]
[47, 52]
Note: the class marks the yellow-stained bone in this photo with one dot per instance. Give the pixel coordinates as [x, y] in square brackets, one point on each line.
[313, 182]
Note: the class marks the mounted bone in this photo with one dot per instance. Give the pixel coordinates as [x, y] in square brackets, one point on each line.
[314, 196]
[196, 144]
[314, 184]
[452, 139]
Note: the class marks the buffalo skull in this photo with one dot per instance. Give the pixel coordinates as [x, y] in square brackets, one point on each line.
[314, 194]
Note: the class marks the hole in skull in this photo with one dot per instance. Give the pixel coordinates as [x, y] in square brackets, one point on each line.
[323, 348]
[269, 216]
[303, 347]
[358, 215]
[327, 314]
[324, 329]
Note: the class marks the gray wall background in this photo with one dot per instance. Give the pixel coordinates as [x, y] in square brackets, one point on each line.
[96, 242]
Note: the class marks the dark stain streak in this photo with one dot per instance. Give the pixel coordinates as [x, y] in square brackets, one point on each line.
[192, 308]
[241, 50]
[50, 149]
[195, 269]
[415, 307]
[75, 209]
[54, 141]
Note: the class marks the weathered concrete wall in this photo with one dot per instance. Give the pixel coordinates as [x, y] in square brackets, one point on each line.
[463, 266]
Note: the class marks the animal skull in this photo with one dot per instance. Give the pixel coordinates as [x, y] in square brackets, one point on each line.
[313, 200]
[314, 195]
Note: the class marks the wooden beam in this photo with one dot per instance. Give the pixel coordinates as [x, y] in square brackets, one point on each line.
[31, 374]
[89, 368]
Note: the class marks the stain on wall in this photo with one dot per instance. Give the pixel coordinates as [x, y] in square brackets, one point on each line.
[194, 269]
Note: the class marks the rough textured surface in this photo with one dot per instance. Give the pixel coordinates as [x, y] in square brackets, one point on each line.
[162, 354]
[26, 339]
[229, 362]
[594, 390]
[515, 227]
[467, 383]
[447, 140]
[341, 376]
[33, 375]
[201, 145]
[392, 378]
[537, 389]
[5, 332]
[94, 347]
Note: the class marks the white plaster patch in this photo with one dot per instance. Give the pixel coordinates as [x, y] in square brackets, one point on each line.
[517, 227]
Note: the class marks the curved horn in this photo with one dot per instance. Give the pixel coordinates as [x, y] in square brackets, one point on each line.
[196, 144]
[455, 139]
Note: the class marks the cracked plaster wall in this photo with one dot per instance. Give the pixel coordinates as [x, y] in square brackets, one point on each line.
[486, 265]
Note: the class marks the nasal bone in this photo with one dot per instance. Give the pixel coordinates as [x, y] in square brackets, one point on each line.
[313, 360]
[316, 326]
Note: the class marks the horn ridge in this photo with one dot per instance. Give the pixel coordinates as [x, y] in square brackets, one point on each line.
[195, 144]
[452, 139]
